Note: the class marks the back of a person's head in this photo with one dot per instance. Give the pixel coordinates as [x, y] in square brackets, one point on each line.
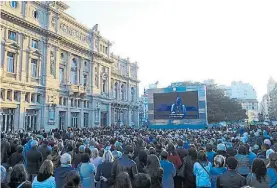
[108, 156]
[123, 181]
[201, 156]
[19, 149]
[219, 161]
[242, 150]
[85, 158]
[193, 153]
[18, 174]
[47, 167]
[164, 155]
[259, 169]
[129, 149]
[142, 180]
[232, 163]
[72, 180]
[209, 147]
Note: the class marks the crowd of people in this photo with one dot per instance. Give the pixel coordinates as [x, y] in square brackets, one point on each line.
[231, 157]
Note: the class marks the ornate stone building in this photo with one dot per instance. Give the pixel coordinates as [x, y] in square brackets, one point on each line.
[57, 73]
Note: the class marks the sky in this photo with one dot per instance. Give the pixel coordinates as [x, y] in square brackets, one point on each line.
[195, 40]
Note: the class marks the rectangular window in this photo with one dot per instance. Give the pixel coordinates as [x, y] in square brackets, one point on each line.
[60, 101]
[16, 96]
[34, 68]
[64, 101]
[75, 103]
[79, 103]
[12, 35]
[9, 95]
[85, 119]
[96, 115]
[38, 98]
[34, 44]
[27, 97]
[33, 98]
[85, 80]
[72, 102]
[106, 50]
[2, 94]
[11, 62]
[61, 75]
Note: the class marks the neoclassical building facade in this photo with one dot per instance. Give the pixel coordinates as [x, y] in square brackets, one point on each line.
[57, 73]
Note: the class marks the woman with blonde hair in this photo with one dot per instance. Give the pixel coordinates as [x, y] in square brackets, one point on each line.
[104, 175]
[95, 159]
[45, 178]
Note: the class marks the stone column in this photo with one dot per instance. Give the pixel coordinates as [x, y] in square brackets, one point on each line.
[68, 67]
[109, 114]
[22, 110]
[17, 67]
[82, 114]
[68, 113]
[129, 116]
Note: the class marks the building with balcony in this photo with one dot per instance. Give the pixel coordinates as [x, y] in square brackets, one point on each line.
[57, 73]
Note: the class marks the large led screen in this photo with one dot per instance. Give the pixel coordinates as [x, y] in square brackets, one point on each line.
[176, 105]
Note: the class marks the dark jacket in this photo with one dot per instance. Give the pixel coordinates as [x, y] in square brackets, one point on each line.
[124, 164]
[5, 151]
[231, 179]
[156, 181]
[55, 158]
[182, 153]
[60, 174]
[45, 151]
[34, 160]
[190, 179]
[77, 159]
[15, 158]
[104, 169]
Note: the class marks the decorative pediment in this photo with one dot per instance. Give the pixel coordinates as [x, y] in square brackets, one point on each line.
[13, 45]
[36, 52]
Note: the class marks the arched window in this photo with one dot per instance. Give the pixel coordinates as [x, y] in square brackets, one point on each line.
[96, 77]
[122, 92]
[73, 69]
[132, 94]
[116, 90]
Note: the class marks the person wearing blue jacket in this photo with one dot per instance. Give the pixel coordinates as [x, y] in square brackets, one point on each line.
[272, 170]
[61, 172]
[202, 170]
[218, 169]
[169, 171]
[27, 148]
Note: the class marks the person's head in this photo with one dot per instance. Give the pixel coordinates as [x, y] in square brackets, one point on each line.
[152, 150]
[273, 161]
[65, 159]
[34, 144]
[232, 163]
[142, 180]
[247, 149]
[171, 149]
[94, 153]
[72, 180]
[123, 181]
[242, 150]
[180, 143]
[259, 169]
[47, 167]
[101, 152]
[142, 156]
[219, 161]
[193, 153]
[221, 147]
[128, 150]
[87, 150]
[82, 149]
[115, 154]
[209, 147]
[18, 174]
[85, 158]
[19, 149]
[164, 155]
[108, 156]
[202, 157]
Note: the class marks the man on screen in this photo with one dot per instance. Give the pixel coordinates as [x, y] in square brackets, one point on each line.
[178, 107]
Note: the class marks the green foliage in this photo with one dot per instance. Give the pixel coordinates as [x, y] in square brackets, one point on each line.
[222, 108]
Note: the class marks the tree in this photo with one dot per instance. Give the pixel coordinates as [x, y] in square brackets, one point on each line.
[222, 108]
